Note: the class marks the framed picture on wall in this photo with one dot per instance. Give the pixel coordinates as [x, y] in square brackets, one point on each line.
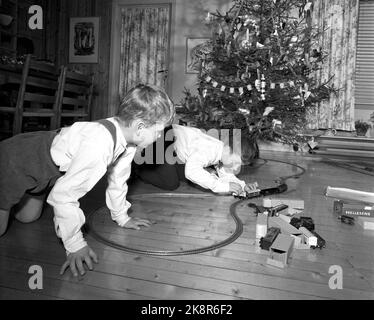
[84, 40]
[192, 65]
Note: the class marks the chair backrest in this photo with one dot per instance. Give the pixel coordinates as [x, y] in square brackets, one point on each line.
[37, 92]
[75, 96]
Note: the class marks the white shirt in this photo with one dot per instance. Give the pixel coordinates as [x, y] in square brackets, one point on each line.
[198, 151]
[84, 151]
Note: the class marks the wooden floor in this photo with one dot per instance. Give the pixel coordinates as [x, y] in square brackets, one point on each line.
[236, 271]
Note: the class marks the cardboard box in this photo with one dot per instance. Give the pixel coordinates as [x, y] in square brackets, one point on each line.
[284, 226]
[299, 243]
[280, 251]
[285, 217]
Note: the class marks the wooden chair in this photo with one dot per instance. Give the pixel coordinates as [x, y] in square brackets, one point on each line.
[74, 98]
[37, 91]
[46, 99]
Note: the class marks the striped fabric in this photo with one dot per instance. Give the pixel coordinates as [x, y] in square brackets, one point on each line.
[144, 46]
[340, 20]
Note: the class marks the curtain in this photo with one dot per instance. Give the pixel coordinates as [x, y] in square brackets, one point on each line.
[340, 20]
[144, 46]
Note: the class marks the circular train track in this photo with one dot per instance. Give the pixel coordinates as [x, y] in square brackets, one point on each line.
[235, 235]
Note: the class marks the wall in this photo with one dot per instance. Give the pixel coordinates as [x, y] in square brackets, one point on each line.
[189, 21]
[60, 12]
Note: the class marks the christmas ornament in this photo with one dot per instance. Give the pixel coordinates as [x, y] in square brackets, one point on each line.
[258, 84]
[276, 123]
[258, 81]
[267, 111]
[244, 111]
[246, 44]
[263, 85]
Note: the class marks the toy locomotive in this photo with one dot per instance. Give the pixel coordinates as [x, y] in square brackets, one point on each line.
[262, 192]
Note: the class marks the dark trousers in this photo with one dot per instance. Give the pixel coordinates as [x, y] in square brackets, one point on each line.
[164, 176]
[26, 166]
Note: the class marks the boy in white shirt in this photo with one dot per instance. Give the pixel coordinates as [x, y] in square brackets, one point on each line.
[73, 160]
[195, 152]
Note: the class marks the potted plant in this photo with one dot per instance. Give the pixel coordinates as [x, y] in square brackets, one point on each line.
[361, 127]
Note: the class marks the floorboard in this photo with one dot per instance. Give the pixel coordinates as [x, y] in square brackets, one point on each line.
[234, 272]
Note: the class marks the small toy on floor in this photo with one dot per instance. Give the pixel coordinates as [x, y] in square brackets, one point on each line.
[321, 243]
[251, 190]
[354, 209]
[269, 211]
[262, 192]
[261, 225]
[310, 239]
[305, 222]
[346, 219]
[295, 206]
[267, 241]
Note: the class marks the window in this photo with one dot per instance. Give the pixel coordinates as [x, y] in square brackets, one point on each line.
[364, 97]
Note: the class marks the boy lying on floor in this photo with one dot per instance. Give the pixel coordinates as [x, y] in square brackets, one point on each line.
[197, 157]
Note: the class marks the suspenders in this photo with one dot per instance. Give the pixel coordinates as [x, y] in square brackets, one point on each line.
[112, 130]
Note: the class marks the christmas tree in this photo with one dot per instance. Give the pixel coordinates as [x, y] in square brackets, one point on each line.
[257, 71]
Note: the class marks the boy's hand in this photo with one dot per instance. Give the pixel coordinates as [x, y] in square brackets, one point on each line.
[75, 260]
[250, 187]
[136, 223]
[235, 188]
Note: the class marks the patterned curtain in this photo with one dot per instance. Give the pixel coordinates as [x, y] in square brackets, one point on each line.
[340, 19]
[144, 46]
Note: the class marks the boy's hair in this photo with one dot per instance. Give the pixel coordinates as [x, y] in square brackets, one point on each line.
[148, 103]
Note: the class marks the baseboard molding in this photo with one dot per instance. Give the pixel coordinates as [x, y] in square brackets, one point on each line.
[275, 146]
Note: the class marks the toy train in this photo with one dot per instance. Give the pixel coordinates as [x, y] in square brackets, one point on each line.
[263, 192]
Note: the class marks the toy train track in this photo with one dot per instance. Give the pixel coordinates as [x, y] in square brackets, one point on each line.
[282, 187]
[237, 233]
[265, 192]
